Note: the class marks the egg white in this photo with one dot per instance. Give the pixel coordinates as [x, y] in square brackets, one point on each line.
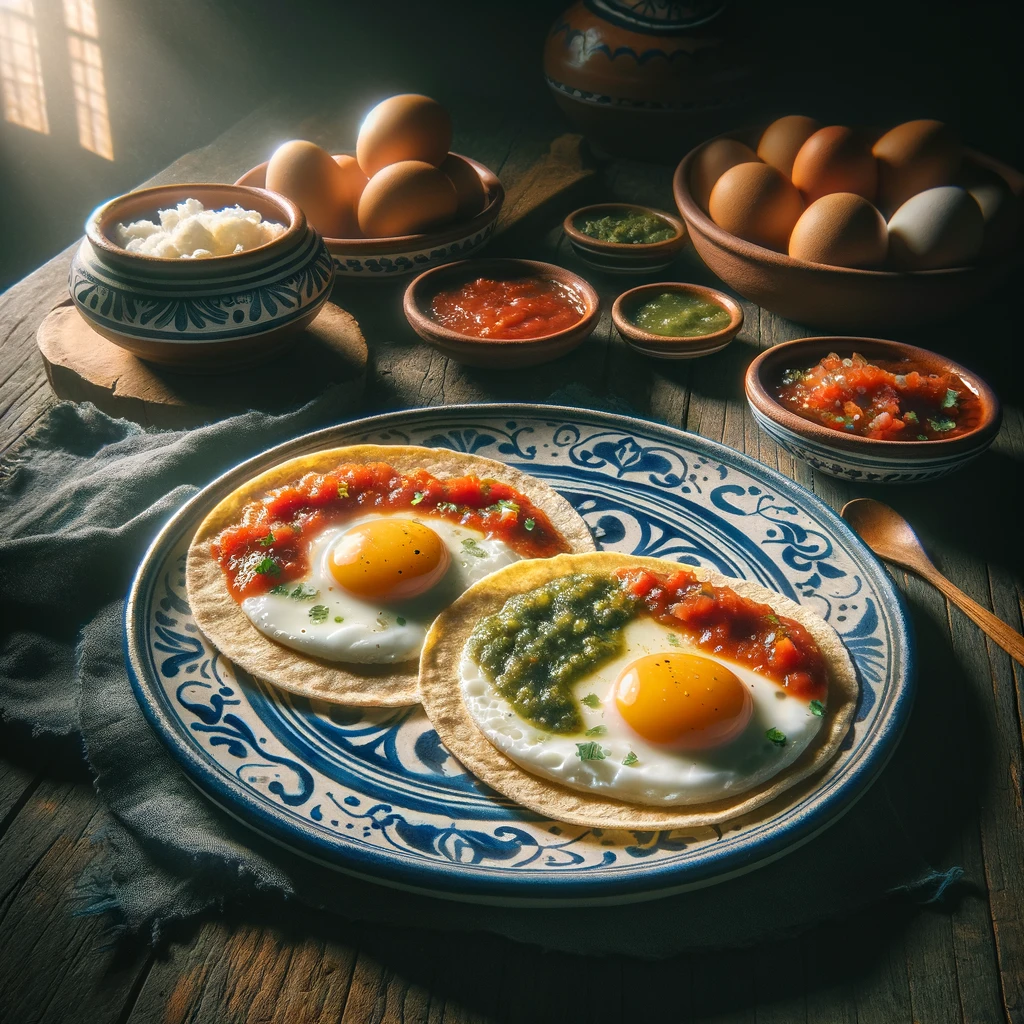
[660, 776]
[370, 632]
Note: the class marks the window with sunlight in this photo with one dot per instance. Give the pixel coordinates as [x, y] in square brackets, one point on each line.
[87, 78]
[21, 75]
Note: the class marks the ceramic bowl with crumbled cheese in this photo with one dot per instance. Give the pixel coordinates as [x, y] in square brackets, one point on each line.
[201, 277]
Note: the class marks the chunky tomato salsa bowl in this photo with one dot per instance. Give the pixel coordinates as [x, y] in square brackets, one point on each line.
[872, 410]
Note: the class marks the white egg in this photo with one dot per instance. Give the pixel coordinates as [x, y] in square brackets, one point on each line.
[655, 774]
[317, 616]
[940, 227]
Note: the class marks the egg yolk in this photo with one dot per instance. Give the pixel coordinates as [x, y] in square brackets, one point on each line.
[683, 700]
[389, 559]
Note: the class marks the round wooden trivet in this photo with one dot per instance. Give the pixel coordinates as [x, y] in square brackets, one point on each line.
[84, 367]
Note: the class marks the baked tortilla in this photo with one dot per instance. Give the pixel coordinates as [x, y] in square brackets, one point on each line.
[222, 620]
[441, 696]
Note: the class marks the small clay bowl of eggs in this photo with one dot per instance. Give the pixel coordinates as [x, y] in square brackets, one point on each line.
[200, 277]
[400, 202]
[502, 313]
[848, 228]
[625, 238]
[651, 320]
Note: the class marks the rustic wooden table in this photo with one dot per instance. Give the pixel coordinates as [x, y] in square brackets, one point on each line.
[955, 781]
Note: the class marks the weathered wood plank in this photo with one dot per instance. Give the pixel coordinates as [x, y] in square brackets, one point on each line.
[56, 968]
[16, 785]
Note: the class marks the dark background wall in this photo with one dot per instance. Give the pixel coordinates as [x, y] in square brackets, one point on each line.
[178, 72]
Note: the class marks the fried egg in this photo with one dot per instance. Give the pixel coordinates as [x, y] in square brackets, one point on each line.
[665, 723]
[374, 586]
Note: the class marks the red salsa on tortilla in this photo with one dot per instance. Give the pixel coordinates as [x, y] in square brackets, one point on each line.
[269, 545]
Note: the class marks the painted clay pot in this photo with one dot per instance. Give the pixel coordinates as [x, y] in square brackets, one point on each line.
[203, 315]
[647, 80]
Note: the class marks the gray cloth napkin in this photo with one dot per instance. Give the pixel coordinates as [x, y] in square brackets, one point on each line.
[78, 506]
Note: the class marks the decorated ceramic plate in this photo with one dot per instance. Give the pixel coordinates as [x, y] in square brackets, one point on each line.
[374, 793]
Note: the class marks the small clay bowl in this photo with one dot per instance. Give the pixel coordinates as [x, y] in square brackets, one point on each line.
[204, 315]
[659, 346]
[840, 298]
[384, 259]
[623, 257]
[498, 353]
[865, 459]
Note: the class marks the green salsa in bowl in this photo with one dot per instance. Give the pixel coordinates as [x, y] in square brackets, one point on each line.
[674, 320]
[625, 238]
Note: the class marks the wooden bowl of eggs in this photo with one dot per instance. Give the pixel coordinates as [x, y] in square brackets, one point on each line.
[850, 229]
[400, 202]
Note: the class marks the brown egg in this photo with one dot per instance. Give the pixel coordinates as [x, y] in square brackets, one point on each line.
[406, 127]
[841, 230]
[468, 186]
[758, 203]
[782, 140]
[308, 176]
[835, 159]
[355, 180]
[712, 162]
[913, 157]
[405, 198]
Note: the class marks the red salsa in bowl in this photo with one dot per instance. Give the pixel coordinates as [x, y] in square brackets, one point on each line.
[508, 308]
[883, 400]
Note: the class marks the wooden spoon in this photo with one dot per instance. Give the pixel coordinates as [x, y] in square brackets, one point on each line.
[891, 537]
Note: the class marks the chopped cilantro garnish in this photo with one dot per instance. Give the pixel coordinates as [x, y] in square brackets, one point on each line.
[506, 505]
[773, 619]
[950, 401]
[597, 730]
[674, 640]
[304, 592]
[817, 708]
[778, 738]
[338, 618]
[318, 613]
[400, 620]
[592, 701]
[921, 437]
[265, 542]
[447, 506]
[590, 751]
[529, 524]
[630, 759]
[418, 497]
[940, 424]
[910, 416]
[267, 567]
[472, 548]
[282, 588]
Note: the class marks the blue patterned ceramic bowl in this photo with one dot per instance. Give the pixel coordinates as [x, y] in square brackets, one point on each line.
[865, 459]
[201, 315]
[383, 259]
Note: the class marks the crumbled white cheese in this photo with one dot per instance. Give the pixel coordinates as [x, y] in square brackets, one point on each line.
[191, 232]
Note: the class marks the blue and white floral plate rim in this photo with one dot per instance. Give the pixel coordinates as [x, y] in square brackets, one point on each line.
[373, 793]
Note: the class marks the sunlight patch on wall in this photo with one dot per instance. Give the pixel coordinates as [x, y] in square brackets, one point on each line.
[21, 76]
[87, 78]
